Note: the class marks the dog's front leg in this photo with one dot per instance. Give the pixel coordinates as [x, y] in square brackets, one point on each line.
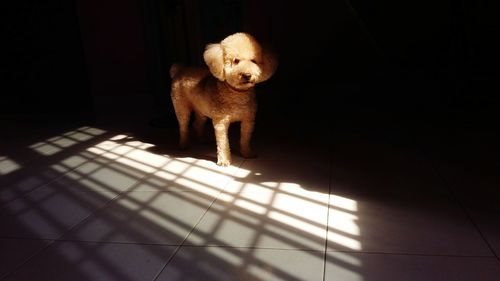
[221, 127]
[246, 129]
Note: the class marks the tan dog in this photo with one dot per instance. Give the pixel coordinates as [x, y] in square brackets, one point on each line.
[222, 92]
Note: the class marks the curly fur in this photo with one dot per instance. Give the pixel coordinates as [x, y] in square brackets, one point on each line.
[223, 92]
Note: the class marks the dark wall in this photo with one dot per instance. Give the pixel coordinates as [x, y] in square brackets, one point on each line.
[446, 45]
[62, 55]
[345, 56]
[420, 59]
[42, 69]
[113, 39]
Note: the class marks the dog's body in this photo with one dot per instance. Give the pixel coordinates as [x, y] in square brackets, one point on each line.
[223, 92]
[196, 90]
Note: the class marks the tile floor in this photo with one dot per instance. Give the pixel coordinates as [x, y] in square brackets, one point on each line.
[86, 202]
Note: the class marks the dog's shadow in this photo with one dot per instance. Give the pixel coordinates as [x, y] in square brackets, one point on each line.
[194, 150]
[165, 143]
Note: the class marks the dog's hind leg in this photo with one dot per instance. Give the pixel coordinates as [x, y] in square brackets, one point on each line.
[183, 113]
[246, 130]
[199, 124]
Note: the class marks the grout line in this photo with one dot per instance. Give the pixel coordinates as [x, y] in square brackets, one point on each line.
[330, 167]
[249, 247]
[448, 187]
[412, 254]
[194, 227]
[54, 179]
[40, 186]
[16, 268]
[330, 180]
[83, 220]
[463, 208]
[152, 244]
[53, 241]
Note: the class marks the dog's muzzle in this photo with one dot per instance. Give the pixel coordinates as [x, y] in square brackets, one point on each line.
[246, 78]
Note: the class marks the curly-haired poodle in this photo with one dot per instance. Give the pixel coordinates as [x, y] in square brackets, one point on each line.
[223, 92]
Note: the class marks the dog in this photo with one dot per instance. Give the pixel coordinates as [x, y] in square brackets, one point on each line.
[223, 91]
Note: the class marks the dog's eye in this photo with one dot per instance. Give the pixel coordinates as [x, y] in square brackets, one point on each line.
[236, 61]
[254, 61]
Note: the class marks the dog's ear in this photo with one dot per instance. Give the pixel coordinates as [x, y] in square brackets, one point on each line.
[213, 57]
[269, 65]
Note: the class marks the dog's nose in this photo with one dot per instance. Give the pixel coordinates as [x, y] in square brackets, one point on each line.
[246, 77]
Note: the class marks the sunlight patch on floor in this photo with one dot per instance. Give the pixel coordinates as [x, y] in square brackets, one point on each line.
[59, 143]
[284, 212]
[8, 166]
[285, 203]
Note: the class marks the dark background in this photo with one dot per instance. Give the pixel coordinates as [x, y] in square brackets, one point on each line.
[425, 63]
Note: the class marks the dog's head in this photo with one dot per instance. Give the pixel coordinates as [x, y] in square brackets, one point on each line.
[240, 61]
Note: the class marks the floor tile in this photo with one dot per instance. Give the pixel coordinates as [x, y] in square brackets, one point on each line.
[293, 147]
[98, 174]
[310, 175]
[379, 168]
[160, 172]
[189, 174]
[245, 224]
[487, 222]
[89, 203]
[19, 136]
[385, 178]
[475, 182]
[220, 264]
[25, 180]
[7, 165]
[402, 224]
[95, 261]
[45, 144]
[44, 169]
[50, 211]
[16, 251]
[264, 209]
[144, 217]
[375, 267]
[203, 150]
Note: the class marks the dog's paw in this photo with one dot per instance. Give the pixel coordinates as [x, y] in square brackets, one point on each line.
[223, 162]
